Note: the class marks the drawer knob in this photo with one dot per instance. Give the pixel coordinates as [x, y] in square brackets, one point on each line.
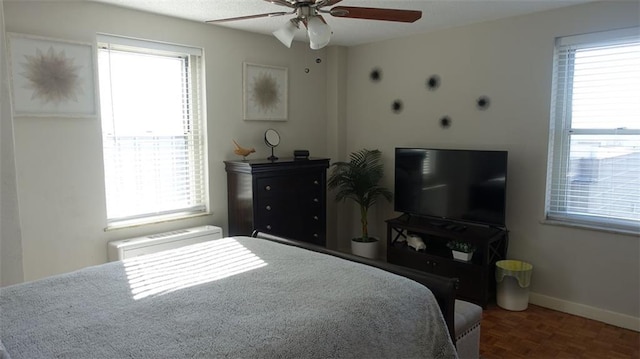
[316, 182]
[267, 187]
[268, 208]
[268, 226]
[315, 217]
[316, 200]
[315, 235]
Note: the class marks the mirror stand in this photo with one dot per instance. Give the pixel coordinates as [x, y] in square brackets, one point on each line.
[272, 157]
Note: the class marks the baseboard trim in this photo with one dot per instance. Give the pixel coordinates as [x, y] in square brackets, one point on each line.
[601, 315]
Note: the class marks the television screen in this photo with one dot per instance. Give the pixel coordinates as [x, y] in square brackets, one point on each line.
[462, 185]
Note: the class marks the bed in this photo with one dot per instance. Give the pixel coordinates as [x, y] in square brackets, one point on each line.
[235, 297]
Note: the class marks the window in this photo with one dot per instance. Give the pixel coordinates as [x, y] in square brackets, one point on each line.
[595, 132]
[153, 130]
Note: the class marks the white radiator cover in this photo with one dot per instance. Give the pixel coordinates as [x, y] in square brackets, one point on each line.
[133, 247]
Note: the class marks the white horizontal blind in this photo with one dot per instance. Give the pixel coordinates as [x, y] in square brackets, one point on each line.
[595, 153]
[153, 131]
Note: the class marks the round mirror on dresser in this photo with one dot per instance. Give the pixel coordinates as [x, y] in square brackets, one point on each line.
[272, 139]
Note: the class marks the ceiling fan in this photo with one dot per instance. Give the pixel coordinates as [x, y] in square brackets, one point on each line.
[308, 12]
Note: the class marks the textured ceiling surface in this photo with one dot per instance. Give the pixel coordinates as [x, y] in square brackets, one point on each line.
[348, 32]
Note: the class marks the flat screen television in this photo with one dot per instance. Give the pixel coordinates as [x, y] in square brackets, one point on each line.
[457, 185]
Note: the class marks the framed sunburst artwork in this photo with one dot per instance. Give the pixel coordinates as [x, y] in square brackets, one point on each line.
[265, 92]
[52, 77]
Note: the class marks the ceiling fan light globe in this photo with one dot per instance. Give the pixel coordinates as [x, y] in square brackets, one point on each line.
[286, 33]
[319, 33]
[317, 46]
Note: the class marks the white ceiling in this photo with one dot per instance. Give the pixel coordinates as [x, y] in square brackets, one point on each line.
[436, 14]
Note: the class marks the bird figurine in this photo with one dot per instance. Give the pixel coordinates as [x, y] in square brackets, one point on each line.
[244, 152]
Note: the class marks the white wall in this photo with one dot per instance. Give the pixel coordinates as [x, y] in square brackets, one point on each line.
[336, 132]
[10, 241]
[511, 62]
[59, 160]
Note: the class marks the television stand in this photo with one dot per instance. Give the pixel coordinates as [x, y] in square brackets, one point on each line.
[455, 227]
[476, 277]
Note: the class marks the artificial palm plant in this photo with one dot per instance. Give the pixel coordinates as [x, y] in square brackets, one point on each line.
[358, 180]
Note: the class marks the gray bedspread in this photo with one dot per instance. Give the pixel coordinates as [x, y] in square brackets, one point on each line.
[236, 297]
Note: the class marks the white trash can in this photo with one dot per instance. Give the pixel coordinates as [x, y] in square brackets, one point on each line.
[513, 278]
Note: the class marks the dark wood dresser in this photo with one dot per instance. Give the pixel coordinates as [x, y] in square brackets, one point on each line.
[285, 197]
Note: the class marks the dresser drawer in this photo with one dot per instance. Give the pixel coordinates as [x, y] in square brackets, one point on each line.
[272, 186]
[271, 205]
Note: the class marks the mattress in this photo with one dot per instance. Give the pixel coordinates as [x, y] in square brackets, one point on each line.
[231, 297]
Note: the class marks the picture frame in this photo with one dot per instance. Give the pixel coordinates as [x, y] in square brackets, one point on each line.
[265, 92]
[52, 77]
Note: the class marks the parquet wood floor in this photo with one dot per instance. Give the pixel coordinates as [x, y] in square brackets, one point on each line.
[543, 333]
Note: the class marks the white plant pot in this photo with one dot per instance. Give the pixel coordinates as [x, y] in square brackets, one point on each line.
[462, 256]
[365, 249]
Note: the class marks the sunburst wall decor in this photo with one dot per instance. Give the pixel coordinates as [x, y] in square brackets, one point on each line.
[52, 77]
[265, 92]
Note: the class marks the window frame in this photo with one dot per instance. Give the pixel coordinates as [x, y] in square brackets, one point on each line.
[197, 123]
[561, 130]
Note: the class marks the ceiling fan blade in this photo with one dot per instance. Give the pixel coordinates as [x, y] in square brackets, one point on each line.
[281, 2]
[323, 3]
[370, 13]
[271, 14]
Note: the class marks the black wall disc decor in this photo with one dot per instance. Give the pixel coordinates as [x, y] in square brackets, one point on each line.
[307, 70]
[433, 82]
[483, 102]
[397, 106]
[445, 122]
[375, 75]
